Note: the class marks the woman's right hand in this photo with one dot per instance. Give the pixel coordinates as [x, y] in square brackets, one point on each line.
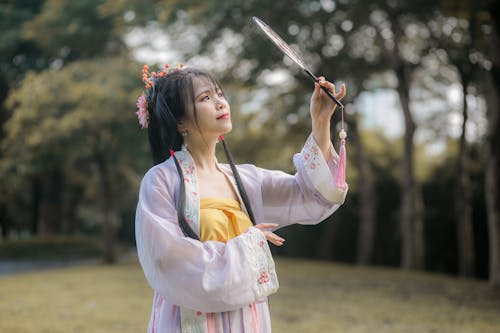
[270, 236]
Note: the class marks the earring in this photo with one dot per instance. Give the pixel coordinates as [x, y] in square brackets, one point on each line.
[184, 133]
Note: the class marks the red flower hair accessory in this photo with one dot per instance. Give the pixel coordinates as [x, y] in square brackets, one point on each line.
[148, 78]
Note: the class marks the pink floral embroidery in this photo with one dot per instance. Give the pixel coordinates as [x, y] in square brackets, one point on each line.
[264, 277]
[311, 154]
[198, 313]
[190, 170]
[190, 181]
[261, 243]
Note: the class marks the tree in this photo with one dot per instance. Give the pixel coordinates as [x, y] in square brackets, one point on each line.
[82, 131]
[459, 51]
[392, 38]
[492, 182]
[16, 56]
[38, 35]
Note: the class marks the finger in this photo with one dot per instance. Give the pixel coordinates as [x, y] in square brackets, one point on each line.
[342, 92]
[263, 226]
[317, 90]
[277, 242]
[274, 237]
[321, 82]
[328, 85]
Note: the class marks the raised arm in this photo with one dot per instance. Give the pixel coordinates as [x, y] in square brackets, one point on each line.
[321, 110]
[309, 196]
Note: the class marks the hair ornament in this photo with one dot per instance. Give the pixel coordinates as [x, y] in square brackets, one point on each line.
[142, 111]
[149, 79]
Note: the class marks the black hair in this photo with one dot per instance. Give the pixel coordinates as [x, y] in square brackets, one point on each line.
[169, 100]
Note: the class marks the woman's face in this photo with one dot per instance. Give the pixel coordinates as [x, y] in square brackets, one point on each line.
[213, 113]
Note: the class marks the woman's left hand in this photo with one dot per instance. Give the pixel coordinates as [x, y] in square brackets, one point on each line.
[322, 106]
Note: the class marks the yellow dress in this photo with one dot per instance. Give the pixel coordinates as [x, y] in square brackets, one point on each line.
[222, 219]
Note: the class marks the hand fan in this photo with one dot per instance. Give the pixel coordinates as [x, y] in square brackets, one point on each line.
[292, 54]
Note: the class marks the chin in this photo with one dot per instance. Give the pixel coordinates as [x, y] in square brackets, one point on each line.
[227, 130]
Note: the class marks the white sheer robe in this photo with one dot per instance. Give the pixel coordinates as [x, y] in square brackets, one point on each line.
[215, 287]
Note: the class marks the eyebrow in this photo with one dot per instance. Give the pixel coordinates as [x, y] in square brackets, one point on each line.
[203, 92]
[215, 89]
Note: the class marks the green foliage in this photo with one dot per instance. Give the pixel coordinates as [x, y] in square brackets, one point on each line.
[73, 29]
[67, 119]
[17, 54]
[64, 115]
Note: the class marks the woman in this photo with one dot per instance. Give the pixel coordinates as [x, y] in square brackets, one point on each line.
[202, 227]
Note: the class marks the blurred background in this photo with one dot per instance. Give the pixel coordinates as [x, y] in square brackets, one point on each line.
[422, 113]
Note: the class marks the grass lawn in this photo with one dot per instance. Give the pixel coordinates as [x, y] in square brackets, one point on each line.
[313, 297]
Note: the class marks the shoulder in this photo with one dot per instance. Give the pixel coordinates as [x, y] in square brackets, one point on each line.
[250, 175]
[163, 174]
[245, 170]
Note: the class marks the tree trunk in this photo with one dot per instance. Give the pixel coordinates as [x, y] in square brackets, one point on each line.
[493, 207]
[325, 248]
[419, 227]
[492, 186]
[4, 221]
[367, 222]
[50, 203]
[463, 209]
[408, 250]
[110, 222]
[70, 216]
[412, 247]
[412, 222]
[36, 199]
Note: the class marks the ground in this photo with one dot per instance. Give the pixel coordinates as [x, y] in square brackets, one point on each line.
[313, 297]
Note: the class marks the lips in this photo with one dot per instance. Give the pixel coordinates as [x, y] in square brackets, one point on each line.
[224, 116]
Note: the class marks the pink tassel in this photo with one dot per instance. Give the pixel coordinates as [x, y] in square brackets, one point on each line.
[340, 177]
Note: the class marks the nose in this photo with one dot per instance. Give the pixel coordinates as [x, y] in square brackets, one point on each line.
[219, 105]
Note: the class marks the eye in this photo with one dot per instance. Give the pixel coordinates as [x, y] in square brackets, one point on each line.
[205, 98]
[220, 93]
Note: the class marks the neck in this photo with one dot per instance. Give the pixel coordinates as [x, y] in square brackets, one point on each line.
[203, 153]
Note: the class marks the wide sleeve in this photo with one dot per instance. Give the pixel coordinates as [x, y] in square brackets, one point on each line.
[309, 196]
[204, 276]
